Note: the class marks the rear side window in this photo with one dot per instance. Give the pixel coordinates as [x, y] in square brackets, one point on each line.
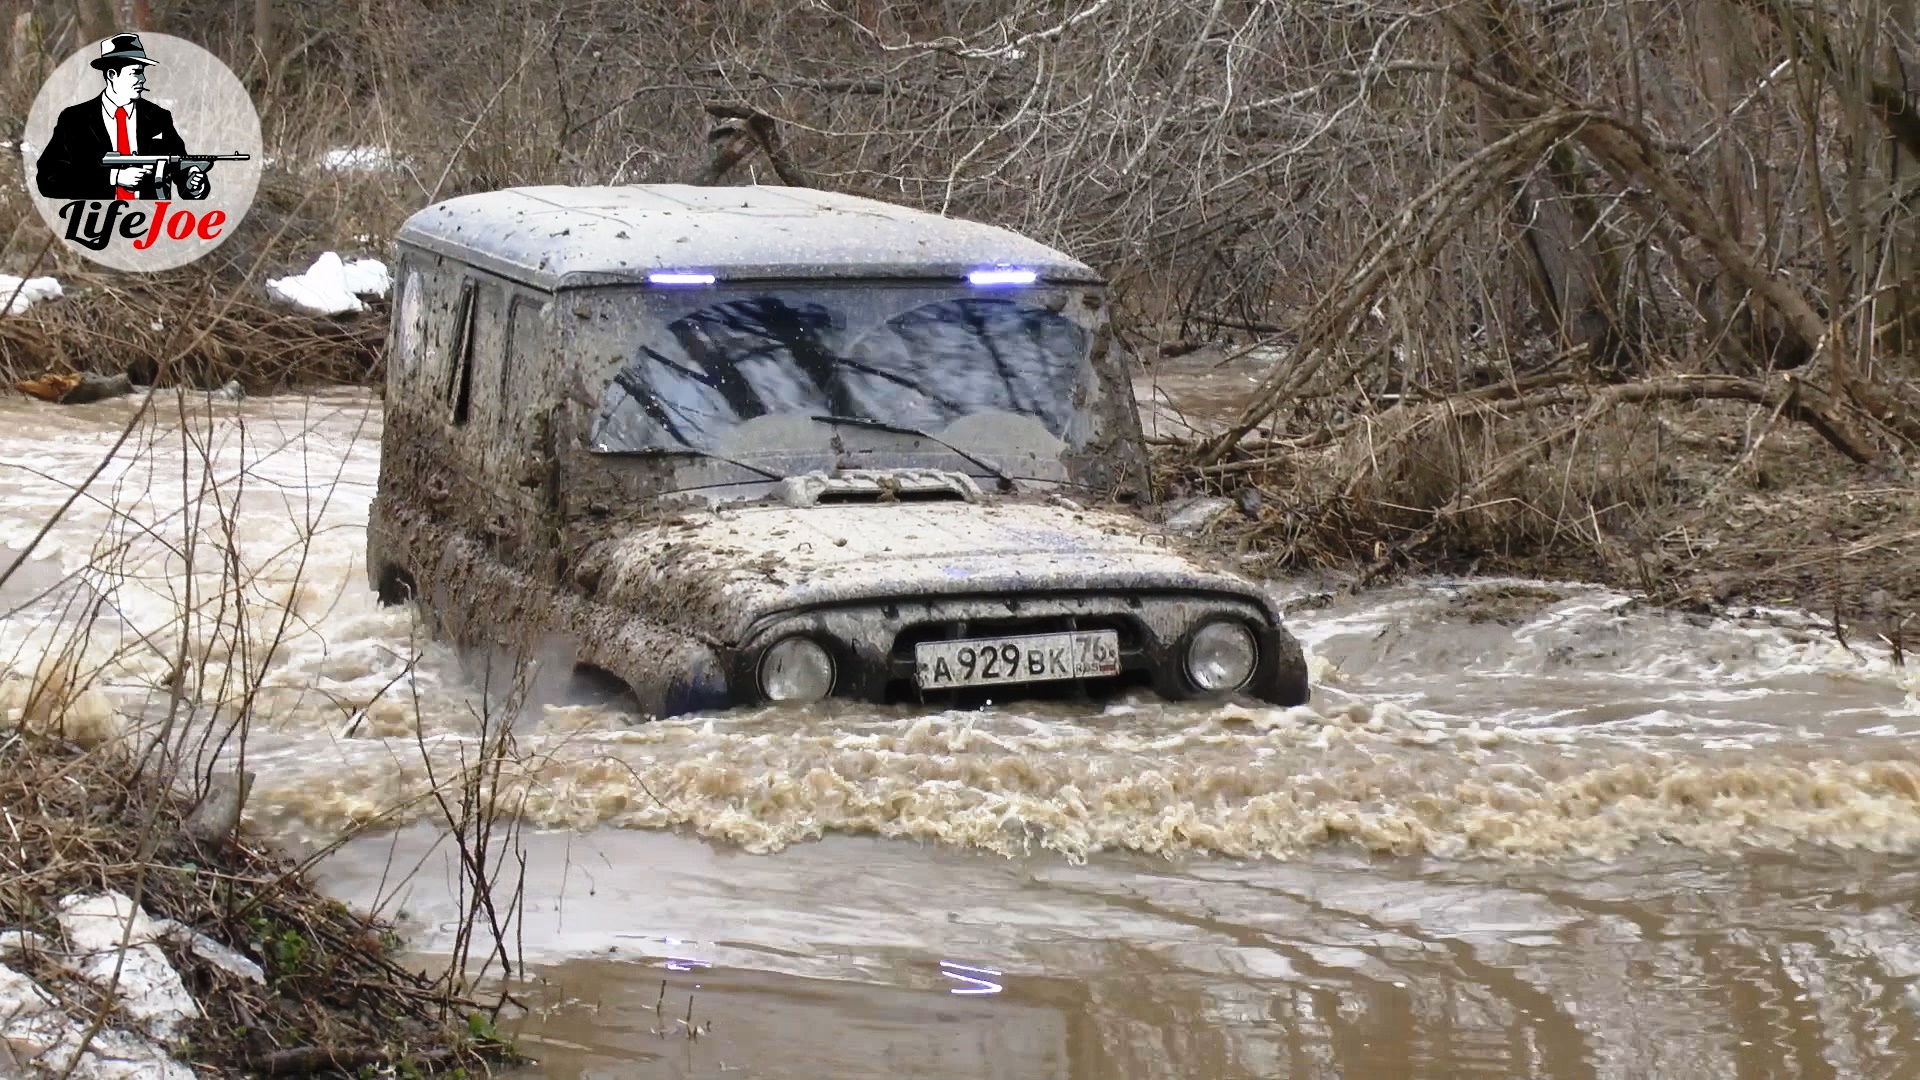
[409, 323]
[525, 355]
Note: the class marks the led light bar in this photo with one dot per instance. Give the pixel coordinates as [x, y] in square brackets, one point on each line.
[1001, 275]
[679, 277]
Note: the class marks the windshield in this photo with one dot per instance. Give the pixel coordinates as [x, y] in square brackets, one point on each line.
[700, 363]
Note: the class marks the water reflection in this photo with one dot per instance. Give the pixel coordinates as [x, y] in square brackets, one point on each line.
[969, 978]
[1665, 964]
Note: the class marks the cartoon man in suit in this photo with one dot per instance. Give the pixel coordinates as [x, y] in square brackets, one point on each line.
[118, 121]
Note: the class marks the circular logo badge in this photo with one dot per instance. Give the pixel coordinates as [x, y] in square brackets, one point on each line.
[142, 152]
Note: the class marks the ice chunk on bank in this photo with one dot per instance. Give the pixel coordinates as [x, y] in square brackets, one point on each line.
[39, 1036]
[150, 991]
[333, 287]
[19, 294]
[231, 961]
[1195, 516]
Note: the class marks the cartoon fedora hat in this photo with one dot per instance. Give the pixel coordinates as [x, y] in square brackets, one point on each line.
[122, 47]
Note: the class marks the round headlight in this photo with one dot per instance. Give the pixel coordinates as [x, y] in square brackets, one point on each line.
[796, 669]
[1221, 656]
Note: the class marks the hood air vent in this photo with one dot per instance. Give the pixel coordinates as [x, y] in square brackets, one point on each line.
[878, 486]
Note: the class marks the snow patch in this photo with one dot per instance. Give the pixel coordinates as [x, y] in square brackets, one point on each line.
[1195, 516]
[29, 291]
[20, 942]
[231, 961]
[359, 159]
[333, 287]
[39, 1036]
[38, 1039]
[150, 991]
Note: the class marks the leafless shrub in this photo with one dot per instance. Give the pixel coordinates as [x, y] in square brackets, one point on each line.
[1597, 187]
[128, 705]
[1408, 203]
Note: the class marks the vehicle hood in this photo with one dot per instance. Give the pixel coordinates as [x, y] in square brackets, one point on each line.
[719, 571]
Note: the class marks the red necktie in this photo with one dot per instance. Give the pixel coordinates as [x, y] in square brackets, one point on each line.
[121, 146]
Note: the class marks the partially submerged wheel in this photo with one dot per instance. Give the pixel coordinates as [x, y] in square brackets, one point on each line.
[600, 688]
[395, 586]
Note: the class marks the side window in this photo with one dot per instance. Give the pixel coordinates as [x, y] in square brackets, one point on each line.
[459, 388]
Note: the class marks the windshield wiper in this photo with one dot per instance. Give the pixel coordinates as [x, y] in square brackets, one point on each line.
[1006, 481]
[658, 451]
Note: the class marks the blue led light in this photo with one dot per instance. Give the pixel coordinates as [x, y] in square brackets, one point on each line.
[1001, 275]
[679, 277]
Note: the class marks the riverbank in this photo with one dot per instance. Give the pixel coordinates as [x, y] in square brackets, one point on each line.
[150, 941]
[1707, 507]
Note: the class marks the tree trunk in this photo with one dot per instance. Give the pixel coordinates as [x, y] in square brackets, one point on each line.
[1574, 280]
[263, 35]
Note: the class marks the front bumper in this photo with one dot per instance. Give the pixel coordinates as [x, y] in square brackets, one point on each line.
[872, 644]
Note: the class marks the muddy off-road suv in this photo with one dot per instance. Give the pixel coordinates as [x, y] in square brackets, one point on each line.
[730, 445]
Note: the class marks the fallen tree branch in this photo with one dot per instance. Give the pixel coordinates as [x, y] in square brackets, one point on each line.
[742, 130]
[307, 1060]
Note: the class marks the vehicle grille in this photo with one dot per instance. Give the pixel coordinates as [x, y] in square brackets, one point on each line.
[956, 630]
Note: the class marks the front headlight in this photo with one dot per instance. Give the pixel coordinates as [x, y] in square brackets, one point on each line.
[796, 669]
[1221, 656]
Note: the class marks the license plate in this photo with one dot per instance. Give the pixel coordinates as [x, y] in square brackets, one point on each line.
[1080, 654]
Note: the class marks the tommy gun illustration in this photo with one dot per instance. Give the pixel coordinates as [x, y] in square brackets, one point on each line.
[188, 170]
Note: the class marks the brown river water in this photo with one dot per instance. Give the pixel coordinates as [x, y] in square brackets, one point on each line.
[1524, 830]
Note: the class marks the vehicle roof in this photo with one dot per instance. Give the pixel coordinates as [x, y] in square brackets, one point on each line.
[556, 237]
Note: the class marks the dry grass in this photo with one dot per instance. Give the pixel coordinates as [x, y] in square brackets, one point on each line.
[1704, 504]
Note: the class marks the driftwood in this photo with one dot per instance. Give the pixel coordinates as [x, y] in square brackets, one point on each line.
[308, 1060]
[80, 389]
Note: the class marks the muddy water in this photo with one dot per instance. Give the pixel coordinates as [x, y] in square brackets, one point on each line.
[1523, 830]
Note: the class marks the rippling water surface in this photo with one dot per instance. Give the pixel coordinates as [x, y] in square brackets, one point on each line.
[1523, 830]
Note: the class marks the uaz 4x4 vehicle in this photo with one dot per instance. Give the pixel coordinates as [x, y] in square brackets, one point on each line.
[743, 444]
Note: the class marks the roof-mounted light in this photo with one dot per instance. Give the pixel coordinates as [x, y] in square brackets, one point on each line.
[679, 277]
[1002, 275]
